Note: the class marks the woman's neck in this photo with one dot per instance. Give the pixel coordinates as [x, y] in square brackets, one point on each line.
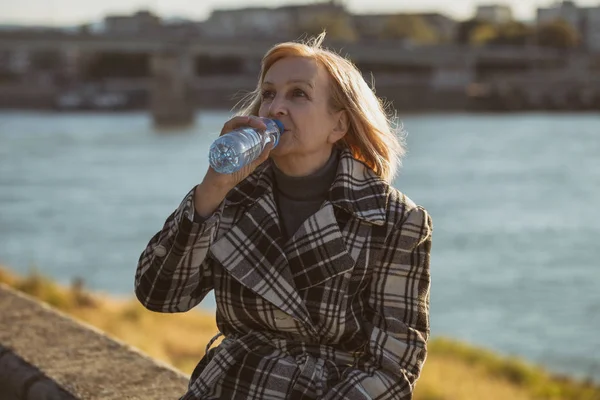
[311, 186]
[298, 166]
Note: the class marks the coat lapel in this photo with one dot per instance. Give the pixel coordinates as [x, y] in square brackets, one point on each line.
[251, 251]
[318, 250]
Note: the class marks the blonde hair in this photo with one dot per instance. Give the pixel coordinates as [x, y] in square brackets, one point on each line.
[372, 136]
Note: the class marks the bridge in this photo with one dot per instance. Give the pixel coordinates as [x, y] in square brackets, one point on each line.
[392, 52]
[183, 71]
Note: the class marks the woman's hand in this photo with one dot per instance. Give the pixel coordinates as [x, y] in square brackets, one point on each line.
[215, 186]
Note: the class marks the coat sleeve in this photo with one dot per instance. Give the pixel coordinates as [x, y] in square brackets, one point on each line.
[172, 273]
[397, 317]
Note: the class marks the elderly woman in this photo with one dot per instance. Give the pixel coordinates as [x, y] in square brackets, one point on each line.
[320, 268]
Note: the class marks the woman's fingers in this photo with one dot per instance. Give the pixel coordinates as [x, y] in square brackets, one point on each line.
[263, 156]
[243, 121]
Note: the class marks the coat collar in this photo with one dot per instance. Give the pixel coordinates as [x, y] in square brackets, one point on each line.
[356, 189]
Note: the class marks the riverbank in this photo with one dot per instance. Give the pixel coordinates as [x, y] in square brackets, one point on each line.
[453, 370]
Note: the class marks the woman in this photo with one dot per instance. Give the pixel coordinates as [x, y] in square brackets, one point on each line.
[320, 268]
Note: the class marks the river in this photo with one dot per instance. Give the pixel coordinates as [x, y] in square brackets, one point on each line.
[515, 201]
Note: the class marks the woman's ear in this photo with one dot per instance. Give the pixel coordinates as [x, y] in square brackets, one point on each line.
[341, 127]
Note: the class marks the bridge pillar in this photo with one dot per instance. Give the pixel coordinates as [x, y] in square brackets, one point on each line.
[170, 97]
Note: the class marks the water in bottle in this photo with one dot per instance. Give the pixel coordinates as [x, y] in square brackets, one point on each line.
[232, 151]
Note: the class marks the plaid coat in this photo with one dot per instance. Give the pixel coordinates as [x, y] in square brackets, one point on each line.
[338, 311]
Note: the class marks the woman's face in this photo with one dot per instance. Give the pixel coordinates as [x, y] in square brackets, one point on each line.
[296, 91]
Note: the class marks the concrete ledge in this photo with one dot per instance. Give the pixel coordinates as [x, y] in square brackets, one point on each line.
[20, 380]
[45, 354]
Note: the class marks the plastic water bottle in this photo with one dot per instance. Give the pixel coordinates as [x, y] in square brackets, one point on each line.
[238, 148]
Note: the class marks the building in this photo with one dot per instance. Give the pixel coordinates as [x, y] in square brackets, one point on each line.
[372, 26]
[591, 28]
[140, 22]
[313, 17]
[15, 62]
[443, 25]
[494, 13]
[565, 10]
[274, 23]
[253, 22]
[585, 20]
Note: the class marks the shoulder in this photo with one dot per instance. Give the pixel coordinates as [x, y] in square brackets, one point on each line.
[369, 197]
[401, 209]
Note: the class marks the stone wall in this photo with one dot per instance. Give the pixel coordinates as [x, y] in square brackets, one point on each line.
[47, 355]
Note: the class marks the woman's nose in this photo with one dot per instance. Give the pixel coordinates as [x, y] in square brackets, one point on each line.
[278, 107]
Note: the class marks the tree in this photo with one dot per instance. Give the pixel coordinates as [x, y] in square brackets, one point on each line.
[409, 27]
[480, 32]
[465, 30]
[338, 27]
[514, 34]
[483, 34]
[84, 29]
[558, 34]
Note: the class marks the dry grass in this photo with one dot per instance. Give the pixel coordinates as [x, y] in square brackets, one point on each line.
[453, 371]
[446, 378]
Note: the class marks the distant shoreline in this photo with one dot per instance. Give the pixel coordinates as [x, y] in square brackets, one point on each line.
[52, 111]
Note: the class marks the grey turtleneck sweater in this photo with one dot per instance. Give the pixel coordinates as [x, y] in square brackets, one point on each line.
[300, 197]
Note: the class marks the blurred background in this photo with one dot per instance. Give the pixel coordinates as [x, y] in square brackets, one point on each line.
[107, 110]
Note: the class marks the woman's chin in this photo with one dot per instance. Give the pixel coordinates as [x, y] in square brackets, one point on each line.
[280, 149]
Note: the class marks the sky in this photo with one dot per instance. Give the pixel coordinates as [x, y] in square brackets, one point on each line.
[73, 12]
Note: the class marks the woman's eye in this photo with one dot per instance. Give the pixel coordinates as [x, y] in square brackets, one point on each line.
[267, 94]
[298, 93]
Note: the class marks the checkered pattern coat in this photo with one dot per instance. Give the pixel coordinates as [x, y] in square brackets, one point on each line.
[338, 311]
